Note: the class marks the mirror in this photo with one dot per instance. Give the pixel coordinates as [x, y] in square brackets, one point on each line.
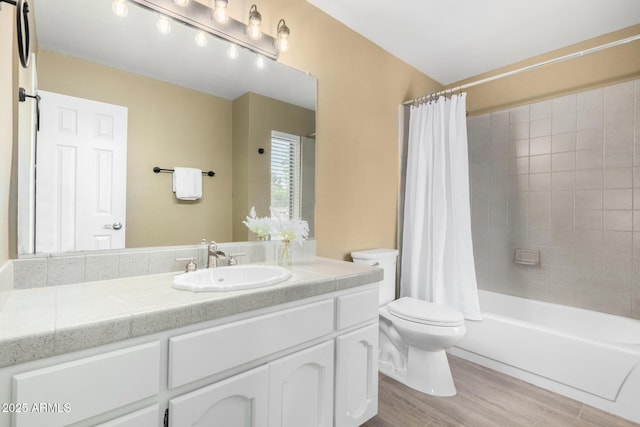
[187, 106]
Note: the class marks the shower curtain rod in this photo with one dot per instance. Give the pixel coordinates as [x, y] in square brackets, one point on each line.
[527, 68]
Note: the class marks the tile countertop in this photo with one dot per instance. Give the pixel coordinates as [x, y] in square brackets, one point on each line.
[43, 322]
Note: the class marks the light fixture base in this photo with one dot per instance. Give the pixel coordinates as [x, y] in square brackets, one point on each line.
[200, 16]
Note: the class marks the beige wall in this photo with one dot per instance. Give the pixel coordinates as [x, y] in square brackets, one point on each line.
[241, 119]
[167, 126]
[256, 116]
[8, 106]
[594, 70]
[360, 87]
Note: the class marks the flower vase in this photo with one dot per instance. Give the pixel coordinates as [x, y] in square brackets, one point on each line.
[283, 252]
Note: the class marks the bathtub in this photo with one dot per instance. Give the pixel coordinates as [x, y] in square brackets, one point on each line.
[588, 356]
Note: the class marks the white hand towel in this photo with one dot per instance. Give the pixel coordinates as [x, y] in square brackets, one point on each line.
[187, 183]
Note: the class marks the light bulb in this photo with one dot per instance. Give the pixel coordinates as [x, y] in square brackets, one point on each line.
[163, 25]
[201, 39]
[255, 19]
[220, 11]
[283, 45]
[232, 51]
[181, 3]
[283, 36]
[120, 8]
[260, 61]
[254, 32]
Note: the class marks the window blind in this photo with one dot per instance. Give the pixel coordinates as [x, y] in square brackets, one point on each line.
[285, 175]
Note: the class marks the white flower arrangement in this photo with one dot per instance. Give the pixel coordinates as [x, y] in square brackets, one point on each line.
[260, 226]
[289, 230]
[278, 228]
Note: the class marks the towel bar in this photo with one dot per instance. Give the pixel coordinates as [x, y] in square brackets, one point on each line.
[156, 169]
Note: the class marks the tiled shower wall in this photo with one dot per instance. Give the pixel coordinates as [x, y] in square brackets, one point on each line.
[561, 176]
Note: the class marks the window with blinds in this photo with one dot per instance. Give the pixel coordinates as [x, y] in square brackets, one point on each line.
[285, 175]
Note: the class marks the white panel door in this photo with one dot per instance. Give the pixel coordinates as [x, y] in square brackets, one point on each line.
[81, 167]
[239, 401]
[301, 388]
[356, 376]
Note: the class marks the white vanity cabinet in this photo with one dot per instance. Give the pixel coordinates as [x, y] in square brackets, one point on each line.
[333, 383]
[293, 391]
[309, 362]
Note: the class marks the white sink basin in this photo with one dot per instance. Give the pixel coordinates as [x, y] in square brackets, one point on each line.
[222, 279]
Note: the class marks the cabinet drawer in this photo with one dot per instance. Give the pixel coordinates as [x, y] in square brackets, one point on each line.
[200, 354]
[357, 308]
[87, 387]
[147, 417]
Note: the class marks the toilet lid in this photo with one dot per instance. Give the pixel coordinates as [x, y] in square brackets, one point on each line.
[425, 312]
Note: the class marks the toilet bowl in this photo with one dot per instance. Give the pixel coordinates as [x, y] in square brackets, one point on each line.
[414, 334]
[427, 330]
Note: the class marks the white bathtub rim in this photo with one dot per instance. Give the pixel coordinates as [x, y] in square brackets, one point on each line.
[624, 403]
[622, 407]
[633, 347]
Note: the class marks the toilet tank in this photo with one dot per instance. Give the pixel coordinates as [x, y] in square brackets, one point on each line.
[385, 258]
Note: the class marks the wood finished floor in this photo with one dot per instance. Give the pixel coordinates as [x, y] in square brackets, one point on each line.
[485, 398]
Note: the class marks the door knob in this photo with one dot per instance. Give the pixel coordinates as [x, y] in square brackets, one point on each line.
[115, 225]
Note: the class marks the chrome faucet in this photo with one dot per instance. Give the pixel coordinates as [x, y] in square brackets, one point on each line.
[214, 255]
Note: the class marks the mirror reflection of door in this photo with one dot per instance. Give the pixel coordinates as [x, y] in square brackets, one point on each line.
[81, 166]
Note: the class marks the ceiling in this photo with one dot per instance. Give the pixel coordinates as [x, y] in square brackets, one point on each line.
[451, 40]
[88, 29]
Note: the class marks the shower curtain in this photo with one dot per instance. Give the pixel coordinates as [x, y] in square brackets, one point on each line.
[437, 254]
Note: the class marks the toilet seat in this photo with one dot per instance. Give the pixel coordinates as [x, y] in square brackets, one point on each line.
[425, 312]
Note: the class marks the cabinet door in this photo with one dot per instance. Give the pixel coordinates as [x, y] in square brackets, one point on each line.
[239, 401]
[301, 388]
[356, 376]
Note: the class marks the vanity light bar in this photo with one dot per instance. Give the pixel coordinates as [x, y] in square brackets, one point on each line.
[200, 16]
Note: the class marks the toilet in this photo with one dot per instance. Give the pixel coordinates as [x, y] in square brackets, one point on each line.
[414, 334]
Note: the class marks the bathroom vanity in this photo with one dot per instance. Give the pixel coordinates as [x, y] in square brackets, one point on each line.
[136, 352]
